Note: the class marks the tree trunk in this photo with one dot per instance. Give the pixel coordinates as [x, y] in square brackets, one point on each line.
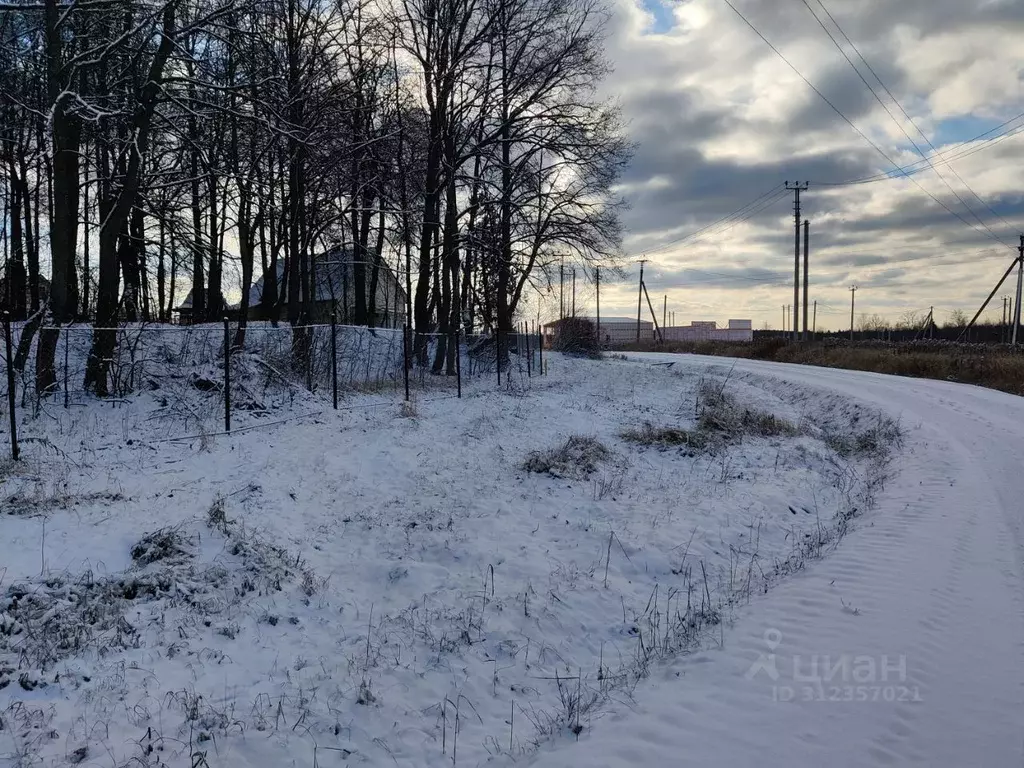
[65, 137]
[358, 225]
[118, 209]
[446, 309]
[215, 297]
[161, 272]
[86, 265]
[376, 255]
[198, 310]
[17, 289]
[246, 254]
[172, 288]
[129, 273]
[431, 210]
[32, 235]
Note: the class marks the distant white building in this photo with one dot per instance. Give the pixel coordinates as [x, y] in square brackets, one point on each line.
[708, 330]
[613, 330]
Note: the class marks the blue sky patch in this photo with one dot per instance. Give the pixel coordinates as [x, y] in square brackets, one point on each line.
[953, 130]
[661, 10]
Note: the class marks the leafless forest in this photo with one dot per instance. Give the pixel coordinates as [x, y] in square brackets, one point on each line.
[155, 149]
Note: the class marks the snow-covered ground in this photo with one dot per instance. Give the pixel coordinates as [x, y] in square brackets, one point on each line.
[904, 647]
[387, 584]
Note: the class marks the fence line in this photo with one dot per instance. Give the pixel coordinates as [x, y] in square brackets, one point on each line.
[194, 371]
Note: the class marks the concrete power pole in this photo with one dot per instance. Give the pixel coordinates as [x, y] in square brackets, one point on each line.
[797, 188]
[561, 291]
[640, 299]
[814, 327]
[853, 295]
[573, 292]
[597, 286]
[807, 247]
[664, 312]
[1020, 280]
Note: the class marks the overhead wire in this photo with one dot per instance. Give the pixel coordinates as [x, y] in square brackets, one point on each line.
[859, 132]
[920, 151]
[905, 114]
[742, 214]
[964, 149]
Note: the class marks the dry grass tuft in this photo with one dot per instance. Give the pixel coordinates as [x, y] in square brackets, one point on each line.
[665, 437]
[719, 413]
[576, 459]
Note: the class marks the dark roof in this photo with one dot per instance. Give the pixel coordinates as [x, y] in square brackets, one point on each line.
[187, 303]
[334, 275]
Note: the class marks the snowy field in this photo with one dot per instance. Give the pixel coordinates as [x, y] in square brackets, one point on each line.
[445, 582]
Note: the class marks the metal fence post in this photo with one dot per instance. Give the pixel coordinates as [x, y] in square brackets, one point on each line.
[529, 352]
[540, 352]
[10, 387]
[497, 352]
[334, 357]
[405, 357]
[227, 376]
[458, 360]
[67, 334]
[308, 337]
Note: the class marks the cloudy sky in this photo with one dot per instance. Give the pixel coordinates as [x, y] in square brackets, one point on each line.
[721, 122]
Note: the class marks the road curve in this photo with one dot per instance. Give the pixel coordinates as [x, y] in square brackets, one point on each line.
[919, 613]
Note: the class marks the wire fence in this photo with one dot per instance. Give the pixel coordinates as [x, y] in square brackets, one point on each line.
[196, 378]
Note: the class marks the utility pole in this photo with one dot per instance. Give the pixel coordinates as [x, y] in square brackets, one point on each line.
[807, 247]
[597, 285]
[797, 188]
[1020, 281]
[561, 291]
[658, 333]
[853, 295]
[640, 299]
[783, 318]
[574, 291]
[1002, 326]
[814, 325]
[664, 312]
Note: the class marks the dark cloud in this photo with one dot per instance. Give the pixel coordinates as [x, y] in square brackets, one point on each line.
[842, 260]
[845, 92]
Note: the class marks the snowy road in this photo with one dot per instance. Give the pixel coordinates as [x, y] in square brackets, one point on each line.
[920, 613]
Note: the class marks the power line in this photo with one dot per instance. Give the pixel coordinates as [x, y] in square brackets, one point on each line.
[959, 151]
[850, 122]
[742, 220]
[774, 193]
[905, 114]
[899, 125]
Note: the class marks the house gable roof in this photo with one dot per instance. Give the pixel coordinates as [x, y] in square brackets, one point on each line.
[335, 279]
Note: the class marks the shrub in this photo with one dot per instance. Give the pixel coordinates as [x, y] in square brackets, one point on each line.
[649, 434]
[576, 336]
[720, 413]
[577, 458]
[164, 544]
